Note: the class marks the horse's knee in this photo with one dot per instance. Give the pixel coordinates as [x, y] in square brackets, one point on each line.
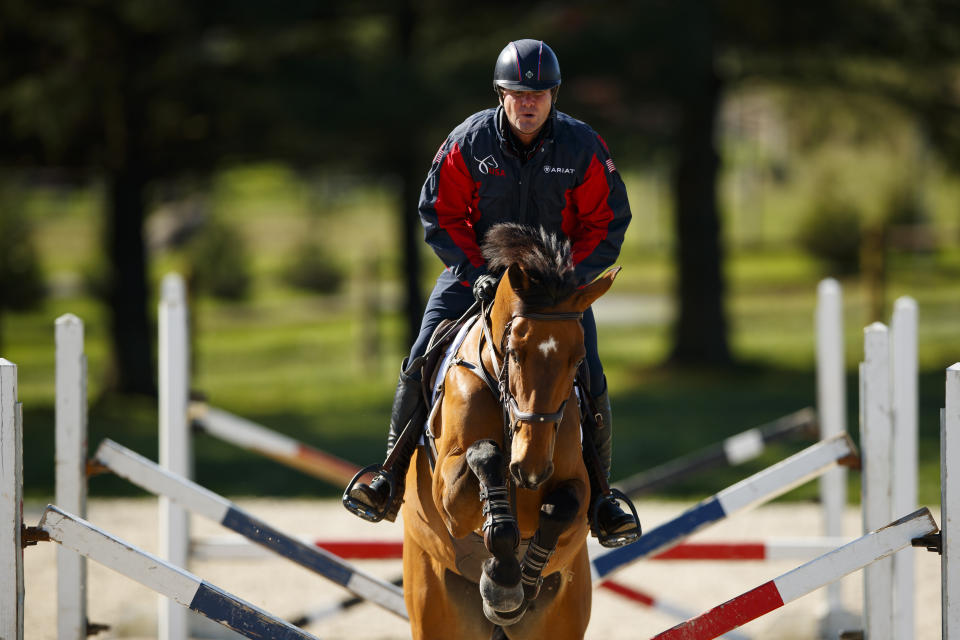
[487, 462]
[559, 509]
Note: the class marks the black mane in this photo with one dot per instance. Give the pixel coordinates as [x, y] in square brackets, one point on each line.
[544, 257]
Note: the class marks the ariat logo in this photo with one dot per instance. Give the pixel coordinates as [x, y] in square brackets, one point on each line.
[529, 74]
[549, 169]
[489, 166]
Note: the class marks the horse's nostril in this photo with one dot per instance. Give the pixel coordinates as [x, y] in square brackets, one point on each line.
[547, 472]
[532, 479]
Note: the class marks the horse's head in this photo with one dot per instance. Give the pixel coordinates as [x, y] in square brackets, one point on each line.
[535, 322]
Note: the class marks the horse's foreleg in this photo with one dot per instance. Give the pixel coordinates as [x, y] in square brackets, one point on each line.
[500, 582]
[558, 511]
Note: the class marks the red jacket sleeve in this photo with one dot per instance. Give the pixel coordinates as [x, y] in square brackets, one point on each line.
[597, 215]
[448, 210]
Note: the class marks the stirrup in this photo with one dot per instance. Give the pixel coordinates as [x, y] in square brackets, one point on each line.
[621, 538]
[365, 511]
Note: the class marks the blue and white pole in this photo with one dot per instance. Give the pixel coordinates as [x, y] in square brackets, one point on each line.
[194, 498]
[758, 488]
[159, 575]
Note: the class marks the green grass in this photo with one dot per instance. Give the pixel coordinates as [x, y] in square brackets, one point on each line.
[304, 364]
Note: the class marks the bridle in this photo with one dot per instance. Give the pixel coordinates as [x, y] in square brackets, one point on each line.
[499, 383]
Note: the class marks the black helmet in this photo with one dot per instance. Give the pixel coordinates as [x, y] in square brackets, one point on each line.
[526, 65]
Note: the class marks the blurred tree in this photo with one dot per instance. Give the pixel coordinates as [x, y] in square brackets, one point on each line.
[656, 73]
[136, 92]
[21, 281]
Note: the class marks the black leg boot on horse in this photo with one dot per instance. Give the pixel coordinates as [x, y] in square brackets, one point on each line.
[500, 585]
[383, 496]
[612, 526]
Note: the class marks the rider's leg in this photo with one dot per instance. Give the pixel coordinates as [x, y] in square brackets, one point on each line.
[611, 519]
[449, 299]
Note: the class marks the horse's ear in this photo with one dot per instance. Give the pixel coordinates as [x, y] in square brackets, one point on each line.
[519, 280]
[586, 296]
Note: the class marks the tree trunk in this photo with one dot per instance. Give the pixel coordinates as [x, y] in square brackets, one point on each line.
[132, 370]
[412, 237]
[412, 176]
[700, 332]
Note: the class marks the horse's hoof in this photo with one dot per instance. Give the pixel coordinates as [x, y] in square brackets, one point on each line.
[502, 598]
[504, 618]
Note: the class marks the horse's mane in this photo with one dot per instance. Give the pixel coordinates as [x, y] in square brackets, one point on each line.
[545, 258]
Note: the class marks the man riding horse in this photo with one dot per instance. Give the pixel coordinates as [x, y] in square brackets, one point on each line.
[524, 162]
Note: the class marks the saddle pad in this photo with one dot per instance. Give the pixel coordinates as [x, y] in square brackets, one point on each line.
[448, 357]
[441, 374]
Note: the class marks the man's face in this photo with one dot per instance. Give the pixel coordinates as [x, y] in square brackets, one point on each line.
[526, 111]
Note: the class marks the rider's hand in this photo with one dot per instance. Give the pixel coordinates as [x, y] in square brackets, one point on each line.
[485, 288]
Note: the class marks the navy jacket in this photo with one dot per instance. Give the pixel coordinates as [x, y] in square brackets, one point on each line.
[566, 183]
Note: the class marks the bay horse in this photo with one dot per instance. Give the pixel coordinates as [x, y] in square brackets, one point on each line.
[508, 478]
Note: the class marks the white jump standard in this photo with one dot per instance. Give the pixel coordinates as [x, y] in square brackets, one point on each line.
[11, 504]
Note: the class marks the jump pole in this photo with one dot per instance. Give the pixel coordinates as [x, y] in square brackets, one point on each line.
[189, 495]
[77, 534]
[175, 584]
[71, 474]
[805, 579]
[232, 547]
[11, 504]
[732, 451]
[758, 488]
[249, 435]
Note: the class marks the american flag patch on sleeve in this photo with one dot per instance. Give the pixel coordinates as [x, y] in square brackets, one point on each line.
[610, 166]
[439, 155]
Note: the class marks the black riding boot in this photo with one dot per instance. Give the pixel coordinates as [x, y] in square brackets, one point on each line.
[612, 526]
[408, 405]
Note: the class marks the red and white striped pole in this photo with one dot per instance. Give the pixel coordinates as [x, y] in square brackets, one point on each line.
[805, 579]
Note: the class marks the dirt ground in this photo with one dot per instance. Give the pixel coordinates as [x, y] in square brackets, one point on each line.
[290, 591]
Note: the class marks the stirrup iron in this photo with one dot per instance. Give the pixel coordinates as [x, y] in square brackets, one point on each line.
[365, 511]
[619, 539]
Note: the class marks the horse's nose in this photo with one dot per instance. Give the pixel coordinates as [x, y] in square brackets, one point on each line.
[530, 479]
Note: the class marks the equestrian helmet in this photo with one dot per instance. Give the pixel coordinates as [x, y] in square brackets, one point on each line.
[526, 65]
